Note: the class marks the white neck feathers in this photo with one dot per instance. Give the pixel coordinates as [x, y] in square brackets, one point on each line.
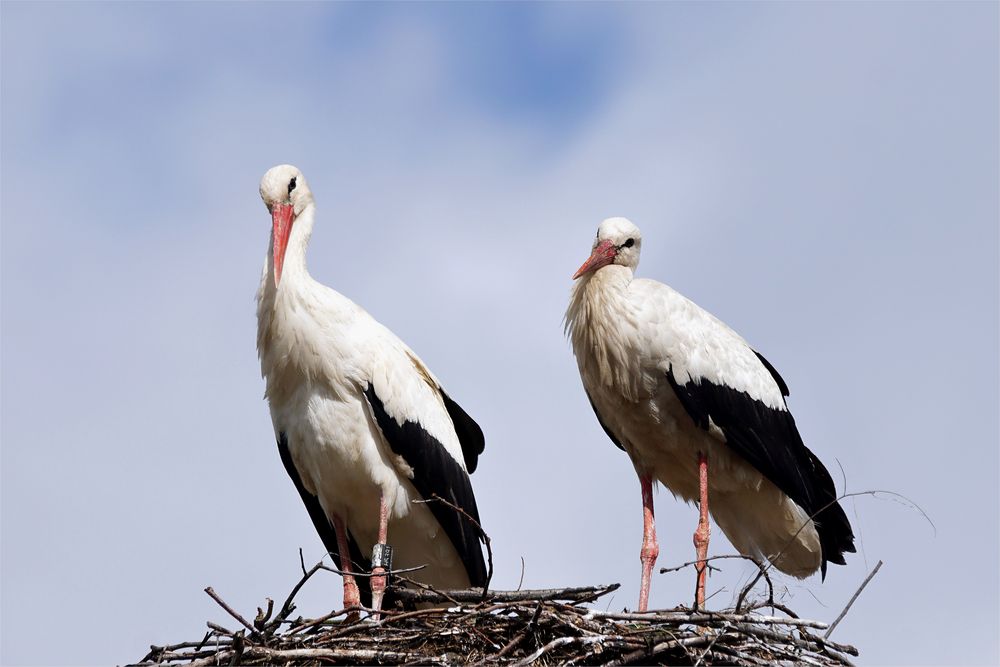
[291, 343]
[601, 326]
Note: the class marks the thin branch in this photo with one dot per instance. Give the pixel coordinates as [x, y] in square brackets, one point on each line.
[854, 597]
[705, 617]
[305, 625]
[603, 640]
[479, 528]
[218, 628]
[289, 606]
[363, 575]
[761, 567]
[874, 493]
[708, 649]
[519, 637]
[657, 649]
[232, 612]
[476, 594]
[260, 622]
[439, 596]
[761, 572]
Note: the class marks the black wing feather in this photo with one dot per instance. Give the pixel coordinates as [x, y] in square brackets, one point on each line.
[774, 373]
[325, 528]
[768, 440]
[436, 473]
[468, 431]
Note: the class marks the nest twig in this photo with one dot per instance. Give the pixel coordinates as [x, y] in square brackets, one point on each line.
[486, 627]
[529, 627]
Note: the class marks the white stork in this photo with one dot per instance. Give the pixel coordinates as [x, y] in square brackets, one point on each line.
[364, 429]
[676, 388]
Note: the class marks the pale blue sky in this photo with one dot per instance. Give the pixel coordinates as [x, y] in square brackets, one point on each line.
[823, 177]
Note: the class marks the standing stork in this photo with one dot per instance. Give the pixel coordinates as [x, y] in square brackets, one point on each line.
[364, 429]
[676, 388]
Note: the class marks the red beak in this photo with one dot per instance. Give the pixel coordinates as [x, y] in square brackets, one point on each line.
[282, 217]
[604, 253]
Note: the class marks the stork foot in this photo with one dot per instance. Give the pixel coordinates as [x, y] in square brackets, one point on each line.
[352, 599]
[701, 547]
[352, 596]
[647, 556]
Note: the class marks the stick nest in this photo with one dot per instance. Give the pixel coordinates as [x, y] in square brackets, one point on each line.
[529, 627]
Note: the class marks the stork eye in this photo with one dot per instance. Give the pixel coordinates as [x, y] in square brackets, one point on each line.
[629, 243]
[291, 185]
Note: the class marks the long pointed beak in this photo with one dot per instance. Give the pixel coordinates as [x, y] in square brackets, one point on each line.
[282, 216]
[604, 253]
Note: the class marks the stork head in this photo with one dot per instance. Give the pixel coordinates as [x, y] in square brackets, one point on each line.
[618, 242]
[286, 194]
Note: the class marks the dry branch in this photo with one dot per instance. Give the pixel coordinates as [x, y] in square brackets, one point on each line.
[578, 594]
[523, 627]
[539, 627]
[854, 597]
[479, 529]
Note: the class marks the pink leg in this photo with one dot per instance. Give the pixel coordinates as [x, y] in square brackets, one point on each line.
[352, 597]
[650, 549]
[379, 582]
[702, 533]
